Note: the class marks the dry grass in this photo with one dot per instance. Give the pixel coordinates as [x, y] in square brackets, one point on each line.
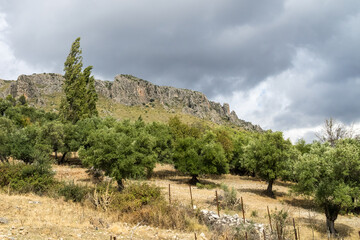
[59, 218]
[56, 219]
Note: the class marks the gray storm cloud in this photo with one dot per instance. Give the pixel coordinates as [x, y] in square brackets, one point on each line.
[218, 47]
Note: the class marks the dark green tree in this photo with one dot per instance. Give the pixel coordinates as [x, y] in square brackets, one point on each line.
[223, 136]
[124, 151]
[27, 145]
[79, 87]
[23, 143]
[6, 130]
[331, 176]
[52, 133]
[11, 100]
[91, 95]
[302, 146]
[22, 100]
[268, 156]
[237, 163]
[200, 156]
[4, 105]
[163, 141]
[71, 141]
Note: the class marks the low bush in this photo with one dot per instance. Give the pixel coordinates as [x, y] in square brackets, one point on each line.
[24, 178]
[136, 195]
[73, 192]
[230, 199]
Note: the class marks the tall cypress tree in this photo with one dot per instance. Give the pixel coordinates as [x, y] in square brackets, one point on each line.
[79, 87]
[91, 95]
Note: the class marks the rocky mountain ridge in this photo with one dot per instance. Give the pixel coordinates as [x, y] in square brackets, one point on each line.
[130, 91]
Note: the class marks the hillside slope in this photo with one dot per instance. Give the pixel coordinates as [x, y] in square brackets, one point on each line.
[126, 92]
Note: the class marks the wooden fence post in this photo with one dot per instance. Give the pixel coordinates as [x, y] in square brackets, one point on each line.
[192, 203]
[269, 218]
[169, 195]
[217, 203]
[264, 234]
[296, 238]
[242, 208]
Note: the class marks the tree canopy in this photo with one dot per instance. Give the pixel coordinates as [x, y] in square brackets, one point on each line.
[331, 176]
[80, 97]
[268, 156]
[123, 151]
[200, 156]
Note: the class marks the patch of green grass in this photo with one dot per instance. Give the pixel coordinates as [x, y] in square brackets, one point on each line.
[207, 186]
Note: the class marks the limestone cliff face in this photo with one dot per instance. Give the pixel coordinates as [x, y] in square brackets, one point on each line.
[131, 91]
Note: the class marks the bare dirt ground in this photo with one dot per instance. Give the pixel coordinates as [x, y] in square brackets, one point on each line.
[56, 219]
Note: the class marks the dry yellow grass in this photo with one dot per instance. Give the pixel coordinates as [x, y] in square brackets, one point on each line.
[35, 217]
[61, 219]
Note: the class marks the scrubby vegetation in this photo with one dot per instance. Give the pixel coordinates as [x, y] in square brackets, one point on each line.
[129, 150]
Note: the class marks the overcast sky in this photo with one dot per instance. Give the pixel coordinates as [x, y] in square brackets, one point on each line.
[286, 65]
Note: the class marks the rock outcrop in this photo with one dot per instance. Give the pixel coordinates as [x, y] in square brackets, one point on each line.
[130, 91]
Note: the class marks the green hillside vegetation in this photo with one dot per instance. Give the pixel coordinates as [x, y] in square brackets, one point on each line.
[126, 149]
[151, 112]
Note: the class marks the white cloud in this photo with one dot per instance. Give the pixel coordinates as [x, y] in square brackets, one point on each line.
[307, 133]
[268, 103]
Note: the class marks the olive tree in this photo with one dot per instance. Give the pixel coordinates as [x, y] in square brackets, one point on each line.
[268, 156]
[331, 176]
[122, 152]
[52, 133]
[200, 156]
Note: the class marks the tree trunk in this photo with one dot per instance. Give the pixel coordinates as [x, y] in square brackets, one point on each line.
[194, 180]
[331, 212]
[269, 191]
[120, 185]
[56, 157]
[62, 158]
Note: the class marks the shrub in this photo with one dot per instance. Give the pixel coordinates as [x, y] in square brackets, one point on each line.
[144, 192]
[25, 178]
[102, 198]
[281, 219]
[8, 173]
[135, 196]
[230, 198]
[73, 192]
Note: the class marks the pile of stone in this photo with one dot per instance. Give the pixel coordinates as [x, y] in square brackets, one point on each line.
[225, 222]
